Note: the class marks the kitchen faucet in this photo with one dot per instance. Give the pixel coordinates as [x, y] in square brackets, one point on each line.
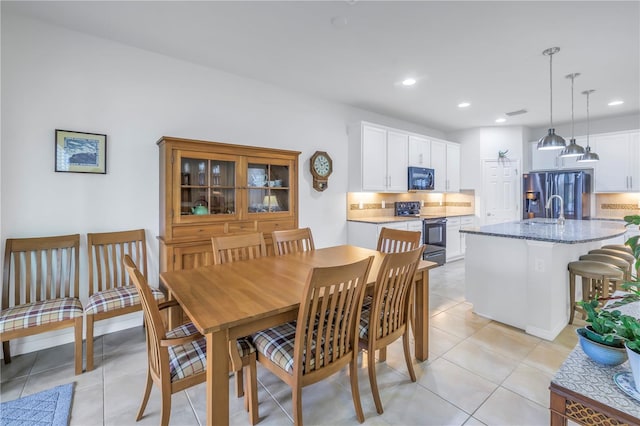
[561, 216]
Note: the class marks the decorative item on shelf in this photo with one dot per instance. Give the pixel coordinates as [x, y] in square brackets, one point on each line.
[215, 174]
[202, 179]
[200, 207]
[588, 156]
[551, 140]
[573, 149]
[186, 174]
[270, 203]
[80, 152]
[321, 168]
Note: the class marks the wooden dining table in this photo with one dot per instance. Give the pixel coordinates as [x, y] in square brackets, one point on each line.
[237, 299]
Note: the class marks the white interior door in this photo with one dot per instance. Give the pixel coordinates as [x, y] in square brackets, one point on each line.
[500, 191]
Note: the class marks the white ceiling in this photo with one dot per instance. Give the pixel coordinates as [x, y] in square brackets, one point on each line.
[487, 53]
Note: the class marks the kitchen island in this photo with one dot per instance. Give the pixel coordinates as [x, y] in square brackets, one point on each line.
[516, 272]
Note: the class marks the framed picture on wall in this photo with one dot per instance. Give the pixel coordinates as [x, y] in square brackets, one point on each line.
[79, 152]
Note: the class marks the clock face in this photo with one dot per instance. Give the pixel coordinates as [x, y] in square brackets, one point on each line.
[321, 165]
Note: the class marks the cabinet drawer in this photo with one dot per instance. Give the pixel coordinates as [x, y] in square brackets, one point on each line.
[453, 221]
[467, 221]
[198, 232]
[276, 225]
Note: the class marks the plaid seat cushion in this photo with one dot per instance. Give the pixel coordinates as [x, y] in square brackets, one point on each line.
[39, 313]
[188, 359]
[364, 317]
[117, 298]
[191, 358]
[277, 344]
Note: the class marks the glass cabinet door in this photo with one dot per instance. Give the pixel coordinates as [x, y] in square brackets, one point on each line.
[268, 187]
[207, 186]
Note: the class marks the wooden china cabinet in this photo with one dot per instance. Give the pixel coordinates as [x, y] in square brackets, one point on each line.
[211, 188]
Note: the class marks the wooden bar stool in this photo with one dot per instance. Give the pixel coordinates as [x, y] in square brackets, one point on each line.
[618, 262]
[596, 277]
[617, 253]
[620, 247]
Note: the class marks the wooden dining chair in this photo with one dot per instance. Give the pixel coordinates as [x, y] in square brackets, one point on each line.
[324, 338]
[110, 292]
[40, 287]
[397, 240]
[177, 358]
[292, 241]
[393, 240]
[387, 318]
[233, 248]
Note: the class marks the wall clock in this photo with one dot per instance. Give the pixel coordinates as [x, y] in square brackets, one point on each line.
[321, 168]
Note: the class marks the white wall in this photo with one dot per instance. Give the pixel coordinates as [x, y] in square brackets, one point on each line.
[53, 78]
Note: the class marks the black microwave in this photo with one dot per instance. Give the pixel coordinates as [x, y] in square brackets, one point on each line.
[421, 179]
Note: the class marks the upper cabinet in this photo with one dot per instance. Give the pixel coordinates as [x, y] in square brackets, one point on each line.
[445, 161]
[378, 158]
[419, 151]
[619, 167]
[549, 159]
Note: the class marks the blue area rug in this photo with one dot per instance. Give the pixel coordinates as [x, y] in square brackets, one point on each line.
[50, 407]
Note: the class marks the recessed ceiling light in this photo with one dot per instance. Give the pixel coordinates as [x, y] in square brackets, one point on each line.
[409, 82]
[501, 120]
[614, 103]
[463, 104]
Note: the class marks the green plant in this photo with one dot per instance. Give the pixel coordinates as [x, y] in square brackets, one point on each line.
[605, 323]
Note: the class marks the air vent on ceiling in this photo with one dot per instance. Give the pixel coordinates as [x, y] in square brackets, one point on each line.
[518, 112]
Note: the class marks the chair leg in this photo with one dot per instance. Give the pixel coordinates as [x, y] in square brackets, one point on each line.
[89, 342]
[296, 396]
[572, 296]
[6, 350]
[78, 344]
[371, 361]
[165, 411]
[252, 390]
[145, 398]
[407, 355]
[382, 354]
[239, 388]
[355, 390]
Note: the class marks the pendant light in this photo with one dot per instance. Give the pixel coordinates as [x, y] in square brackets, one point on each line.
[588, 156]
[573, 149]
[551, 141]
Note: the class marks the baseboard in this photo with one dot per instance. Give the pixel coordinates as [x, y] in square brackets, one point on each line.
[60, 337]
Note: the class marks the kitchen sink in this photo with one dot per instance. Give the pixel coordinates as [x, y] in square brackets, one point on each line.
[540, 222]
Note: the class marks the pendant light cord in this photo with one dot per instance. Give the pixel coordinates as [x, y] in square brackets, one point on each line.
[551, 90]
[572, 124]
[588, 118]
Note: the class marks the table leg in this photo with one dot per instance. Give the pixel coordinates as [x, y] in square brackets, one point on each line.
[422, 317]
[557, 407]
[217, 378]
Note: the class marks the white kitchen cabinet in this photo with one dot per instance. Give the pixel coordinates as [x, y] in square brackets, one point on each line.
[416, 226]
[365, 234]
[445, 161]
[378, 158]
[439, 164]
[544, 159]
[619, 167]
[453, 167]
[419, 151]
[465, 221]
[453, 238]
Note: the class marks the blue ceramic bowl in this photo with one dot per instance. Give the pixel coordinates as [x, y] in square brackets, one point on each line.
[602, 354]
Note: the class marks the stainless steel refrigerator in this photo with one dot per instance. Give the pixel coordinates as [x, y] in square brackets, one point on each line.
[574, 186]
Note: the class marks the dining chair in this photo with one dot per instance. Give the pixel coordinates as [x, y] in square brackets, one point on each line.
[397, 240]
[40, 290]
[387, 318]
[177, 358]
[233, 248]
[324, 338]
[110, 292]
[292, 241]
[393, 240]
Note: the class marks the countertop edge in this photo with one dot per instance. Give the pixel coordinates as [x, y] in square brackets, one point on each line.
[533, 238]
[393, 219]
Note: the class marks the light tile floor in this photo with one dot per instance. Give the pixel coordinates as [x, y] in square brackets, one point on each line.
[478, 372]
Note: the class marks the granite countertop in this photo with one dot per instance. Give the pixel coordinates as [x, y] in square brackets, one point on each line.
[391, 219]
[573, 231]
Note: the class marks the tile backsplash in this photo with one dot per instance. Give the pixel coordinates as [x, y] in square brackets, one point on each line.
[616, 206]
[366, 204]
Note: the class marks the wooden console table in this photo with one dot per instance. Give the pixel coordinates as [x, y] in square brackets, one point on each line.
[584, 392]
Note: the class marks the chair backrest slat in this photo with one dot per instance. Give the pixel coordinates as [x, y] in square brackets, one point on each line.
[232, 248]
[106, 254]
[397, 240]
[37, 269]
[292, 241]
[328, 315]
[392, 292]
